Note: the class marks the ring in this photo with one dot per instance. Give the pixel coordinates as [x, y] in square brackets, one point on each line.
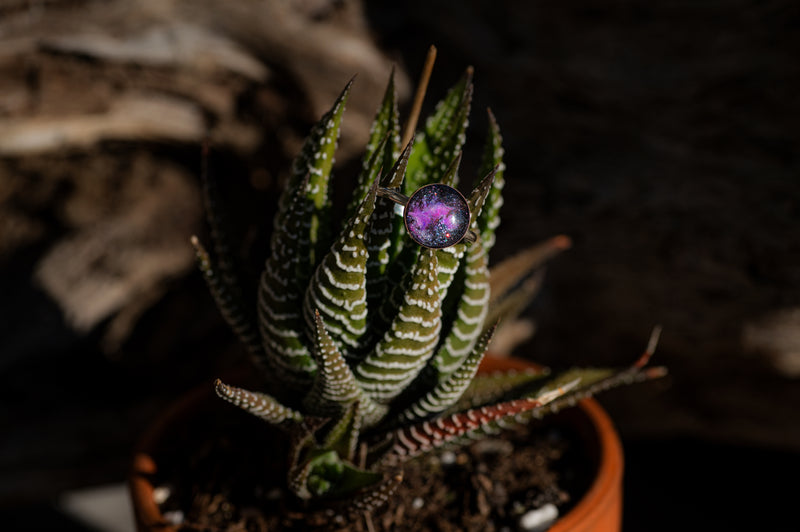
[436, 216]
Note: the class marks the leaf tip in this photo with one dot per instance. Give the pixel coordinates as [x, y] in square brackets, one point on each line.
[561, 242]
[222, 389]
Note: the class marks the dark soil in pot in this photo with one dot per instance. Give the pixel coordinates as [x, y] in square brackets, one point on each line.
[221, 469]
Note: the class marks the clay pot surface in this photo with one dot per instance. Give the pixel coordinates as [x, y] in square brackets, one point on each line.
[599, 510]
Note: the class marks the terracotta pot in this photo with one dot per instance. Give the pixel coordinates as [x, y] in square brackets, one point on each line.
[600, 509]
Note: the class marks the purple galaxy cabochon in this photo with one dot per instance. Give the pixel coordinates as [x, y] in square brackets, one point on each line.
[437, 216]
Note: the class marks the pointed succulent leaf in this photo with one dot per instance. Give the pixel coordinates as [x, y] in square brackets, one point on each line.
[462, 314]
[596, 380]
[338, 288]
[225, 262]
[408, 344]
[401, 252]
[450, 257]
[398, 278]
[229, 303]
[510, 272]
[303, 446]
[423, 437]
[451, 387]
[335, 387]
[489, 217]
[506, 310]
[343, 436]
[371, 172]
[260, 405]
[353, 479]
[383, 234]
[592, 381]
[382, 148]
[373, 497]
[386, 230]
[450, 176]
[492, 387]
[589, 377]
[279, 299]
[221, 269]
[442, 119]
[547, 398]
[480, 197]
[443, 136]
[325, 473]
[470, 314]
[316, 161]
[298, 480]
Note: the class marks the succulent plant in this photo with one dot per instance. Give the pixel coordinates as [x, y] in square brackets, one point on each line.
[369, 342]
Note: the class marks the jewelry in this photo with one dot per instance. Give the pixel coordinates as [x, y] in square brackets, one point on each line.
[436, 216]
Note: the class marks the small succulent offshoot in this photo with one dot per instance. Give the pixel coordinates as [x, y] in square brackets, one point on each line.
[370, 343]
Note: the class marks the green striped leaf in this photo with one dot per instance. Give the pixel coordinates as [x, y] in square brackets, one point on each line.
[335, 388]
[449, 258]
[384, 228]
[343, 436]
[596, 380]
[325, 473]
[315, 161]
[442, 138]
[514, 282]
[488, 219]
[279, 299]
[229, 303]
[338, 288]
[373, 497]
[545, 398]
[449, 389]
[408, 344]
[496, 386]
[383, 146]
[398, 279]
[260, 405]
[221, 269]
[470, 314]
[414, 440]
[465, 312]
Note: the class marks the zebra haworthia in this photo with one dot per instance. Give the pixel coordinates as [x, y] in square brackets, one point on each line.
[372, 342]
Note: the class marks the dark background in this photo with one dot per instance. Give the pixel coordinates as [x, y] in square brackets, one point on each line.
[661, 137]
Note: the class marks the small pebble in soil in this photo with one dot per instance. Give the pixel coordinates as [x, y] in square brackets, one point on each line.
[174, 517]
[161, 494]
[417, 503]
[447, 458]
[540, 519]
[493, 446]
